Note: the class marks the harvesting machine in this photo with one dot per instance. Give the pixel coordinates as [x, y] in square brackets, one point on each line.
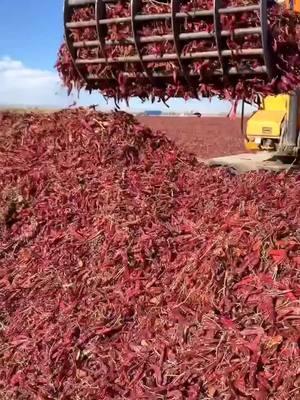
[274, 127]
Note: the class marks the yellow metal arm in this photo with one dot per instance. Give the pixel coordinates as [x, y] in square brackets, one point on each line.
[293, 5]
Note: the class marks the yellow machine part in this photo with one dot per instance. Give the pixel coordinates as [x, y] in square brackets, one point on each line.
[293, 5]
[267, 123]
[277, 103]
[251, 146]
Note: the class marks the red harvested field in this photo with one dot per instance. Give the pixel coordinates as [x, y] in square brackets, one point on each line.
[205, 137]
[128, 270]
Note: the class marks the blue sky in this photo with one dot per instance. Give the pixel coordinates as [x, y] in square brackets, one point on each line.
[30, 34]
[31, 30]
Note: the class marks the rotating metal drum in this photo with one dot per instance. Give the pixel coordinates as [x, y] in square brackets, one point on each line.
[178, 37]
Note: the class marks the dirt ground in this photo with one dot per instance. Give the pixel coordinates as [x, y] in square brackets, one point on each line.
[205, 137]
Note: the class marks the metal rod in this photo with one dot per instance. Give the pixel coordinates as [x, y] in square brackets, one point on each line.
[136, 6]
[291, 136]
[165, 38]
[100, 12]
[233, 10]
[78, 3]
[218, 36]
[266, 40]
[175, 8]
[171, 57]
[67, 11]
[217, 72]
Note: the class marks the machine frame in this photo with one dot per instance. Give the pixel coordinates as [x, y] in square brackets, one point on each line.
[276, 126]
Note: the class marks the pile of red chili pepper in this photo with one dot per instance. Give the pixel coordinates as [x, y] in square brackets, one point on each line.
[130, 271]
[122, 80]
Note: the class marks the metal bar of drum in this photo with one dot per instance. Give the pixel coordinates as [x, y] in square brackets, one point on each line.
[163, 38]
[169, 57]
[235, 10]
[80, 3]
[218, 38]
[175, 8]
[291, 136]
[135, 8]
[266, 40]
[139, 18]
[69, 42]
[150, 17]
[229, 10]
[231, 71]
[100, 10]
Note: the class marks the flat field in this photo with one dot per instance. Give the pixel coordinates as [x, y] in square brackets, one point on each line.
[205, 137]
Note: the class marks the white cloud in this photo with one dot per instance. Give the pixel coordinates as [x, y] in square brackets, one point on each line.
[24, 86]
[21, 85]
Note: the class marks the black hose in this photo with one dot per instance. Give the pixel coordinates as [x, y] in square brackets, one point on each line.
[243, 121]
